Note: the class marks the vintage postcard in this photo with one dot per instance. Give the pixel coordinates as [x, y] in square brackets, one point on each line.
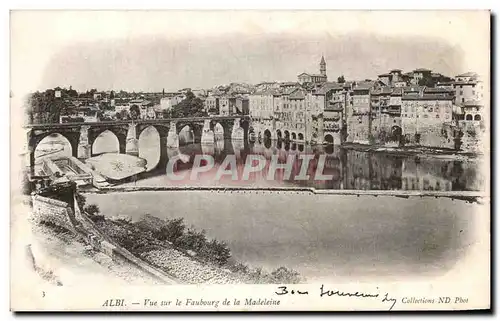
[250, 160]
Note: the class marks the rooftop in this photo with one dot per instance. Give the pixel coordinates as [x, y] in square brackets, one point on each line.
[298, 94]
[437, 90]
[471, 103]
[427, 97]
[382, 91]
[312, 75]
[468, 74]
[364, 85]
[327, 87]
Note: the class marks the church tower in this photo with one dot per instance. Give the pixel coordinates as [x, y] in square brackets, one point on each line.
[322, 66]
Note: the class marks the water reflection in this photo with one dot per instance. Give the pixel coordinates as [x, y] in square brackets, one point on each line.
[349, 169]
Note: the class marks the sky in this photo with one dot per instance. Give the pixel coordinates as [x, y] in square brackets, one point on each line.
[155, 50]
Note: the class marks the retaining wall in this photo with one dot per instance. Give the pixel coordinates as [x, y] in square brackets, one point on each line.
[53, 211]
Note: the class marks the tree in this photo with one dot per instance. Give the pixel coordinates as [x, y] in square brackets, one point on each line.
[45, 107]
[341, 79]
[92, 209]
[428, 82]
[124, 114]
[167, 113]
[135, 112]
[191, 106]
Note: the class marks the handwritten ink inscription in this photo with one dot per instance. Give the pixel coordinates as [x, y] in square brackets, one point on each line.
[283, 290]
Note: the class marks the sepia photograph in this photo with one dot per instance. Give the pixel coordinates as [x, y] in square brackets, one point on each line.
[170, 160]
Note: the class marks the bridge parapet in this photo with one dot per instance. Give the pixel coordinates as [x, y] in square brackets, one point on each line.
[82, 135]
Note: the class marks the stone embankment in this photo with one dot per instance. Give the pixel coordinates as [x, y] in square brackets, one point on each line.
[182, 266]
[47, 210]
[142, 247]
[188, 270]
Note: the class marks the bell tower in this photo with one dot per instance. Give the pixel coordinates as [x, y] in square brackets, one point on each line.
[322, 66]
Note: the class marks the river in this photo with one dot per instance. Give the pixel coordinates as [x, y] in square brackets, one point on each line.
[324, 237]
[347, 169]
[321, 236]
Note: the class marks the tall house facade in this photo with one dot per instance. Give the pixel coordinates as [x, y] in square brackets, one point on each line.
[427, 119]
[359, 116]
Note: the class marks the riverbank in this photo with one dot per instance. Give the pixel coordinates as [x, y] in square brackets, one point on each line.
[443, 153]
[62, 258]
[190, 258]
[469, 196]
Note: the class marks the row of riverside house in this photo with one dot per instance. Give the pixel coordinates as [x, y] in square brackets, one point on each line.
[419, 108]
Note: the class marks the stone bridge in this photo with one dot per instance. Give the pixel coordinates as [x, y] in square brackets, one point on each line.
[81, 136]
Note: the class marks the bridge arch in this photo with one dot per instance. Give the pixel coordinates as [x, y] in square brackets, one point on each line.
[150, 146]
[252, 136]
[186, 135]
[105, 142]
[54, 144]
[396, 133]
[219, 132]
[267, 134]
[329, 139]
[287, 135]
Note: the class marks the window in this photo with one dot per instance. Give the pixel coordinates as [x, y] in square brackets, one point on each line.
[463, 99]
[437, 115]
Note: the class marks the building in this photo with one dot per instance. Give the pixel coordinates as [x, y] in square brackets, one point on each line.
[263, 86]
[386, 114]
[468, 87]
[314, 78]
[359, 111]
[426, 118]
[261, 110]
[224, 108]
[419, 74]
[393, 78]
[88, 114]
[211, 104]
[325, 114]
[172, 99]
[238, 105]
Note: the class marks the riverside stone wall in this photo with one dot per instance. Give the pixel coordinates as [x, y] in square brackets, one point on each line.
[53, 211]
